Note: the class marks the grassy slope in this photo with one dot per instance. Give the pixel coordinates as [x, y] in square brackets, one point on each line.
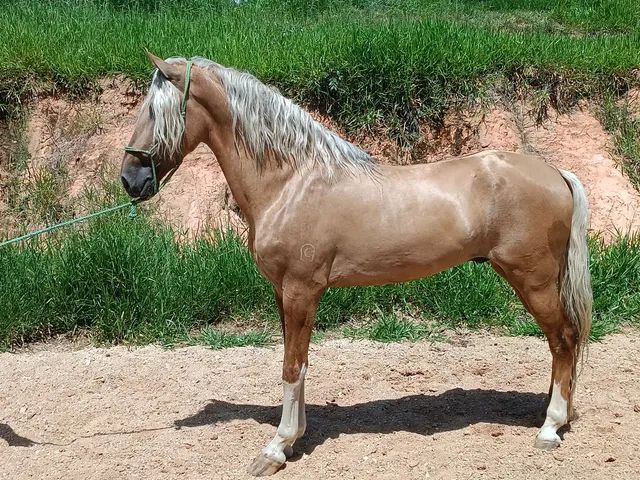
[359, 60]
[129, 280]
[362, 61]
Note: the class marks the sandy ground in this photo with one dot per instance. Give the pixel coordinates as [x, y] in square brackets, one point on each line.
[463, 409]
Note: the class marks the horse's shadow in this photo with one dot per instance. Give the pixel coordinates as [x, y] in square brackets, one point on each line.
[13, 439]
[421, 414]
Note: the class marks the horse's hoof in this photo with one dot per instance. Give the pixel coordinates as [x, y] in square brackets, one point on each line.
[264, 466]
[288, 451]
[547, 443]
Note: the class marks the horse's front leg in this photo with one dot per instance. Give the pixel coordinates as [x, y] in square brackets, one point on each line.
[299, 306]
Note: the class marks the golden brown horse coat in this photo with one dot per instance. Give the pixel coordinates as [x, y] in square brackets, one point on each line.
[322, 214]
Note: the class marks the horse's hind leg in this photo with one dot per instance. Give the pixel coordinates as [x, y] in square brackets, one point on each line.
[538, 288]
[547, 308]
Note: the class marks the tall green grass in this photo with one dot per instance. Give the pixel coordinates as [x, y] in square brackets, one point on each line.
[359, 60]
[624, 126]
[124, 280]
[363, 62]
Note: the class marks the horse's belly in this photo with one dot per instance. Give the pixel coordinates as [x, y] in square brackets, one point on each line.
[399, 243]
[379, 266]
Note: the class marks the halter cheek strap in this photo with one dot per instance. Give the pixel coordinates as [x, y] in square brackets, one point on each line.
[183, 112]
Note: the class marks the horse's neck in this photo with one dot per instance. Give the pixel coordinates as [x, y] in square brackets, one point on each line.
[253, 189]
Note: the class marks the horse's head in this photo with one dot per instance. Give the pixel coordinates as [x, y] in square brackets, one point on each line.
[162, 134]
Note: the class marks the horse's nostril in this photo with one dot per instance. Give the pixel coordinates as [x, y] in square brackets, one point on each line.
[125, 183]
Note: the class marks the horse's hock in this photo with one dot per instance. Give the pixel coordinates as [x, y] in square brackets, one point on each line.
[84, 140]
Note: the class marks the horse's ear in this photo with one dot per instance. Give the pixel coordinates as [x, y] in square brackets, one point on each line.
[172, 72]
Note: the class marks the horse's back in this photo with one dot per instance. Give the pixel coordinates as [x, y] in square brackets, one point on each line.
[530, 169]
[506, 199]
[501, 188]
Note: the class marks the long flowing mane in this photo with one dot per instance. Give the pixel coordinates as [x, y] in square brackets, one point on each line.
[269, 126]
[163, 102]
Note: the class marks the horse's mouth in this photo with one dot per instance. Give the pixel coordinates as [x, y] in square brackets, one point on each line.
[147, 190]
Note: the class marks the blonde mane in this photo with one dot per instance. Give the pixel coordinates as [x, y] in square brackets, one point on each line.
[163, 101]
[269, 126]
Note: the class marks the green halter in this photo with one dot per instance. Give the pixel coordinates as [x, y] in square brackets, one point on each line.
[183, 112]
[131, 204]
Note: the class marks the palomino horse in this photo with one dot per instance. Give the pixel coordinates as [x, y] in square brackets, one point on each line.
[322, 214]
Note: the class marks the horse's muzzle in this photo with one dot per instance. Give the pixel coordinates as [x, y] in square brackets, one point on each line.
[138, 182]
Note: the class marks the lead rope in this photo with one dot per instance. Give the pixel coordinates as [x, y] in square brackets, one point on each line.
[132, 204]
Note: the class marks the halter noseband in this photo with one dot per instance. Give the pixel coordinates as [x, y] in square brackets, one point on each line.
[183, 112]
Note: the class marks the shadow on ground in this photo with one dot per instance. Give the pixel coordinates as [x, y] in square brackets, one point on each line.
[13, 439]
[422, 414]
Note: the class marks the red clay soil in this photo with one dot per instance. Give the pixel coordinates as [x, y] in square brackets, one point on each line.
[86, 138]
[456, 410]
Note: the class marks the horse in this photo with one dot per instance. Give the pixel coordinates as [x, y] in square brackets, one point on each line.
[322, 213]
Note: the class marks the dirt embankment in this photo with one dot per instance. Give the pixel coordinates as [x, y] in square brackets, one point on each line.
[456, 410]
[86, 139]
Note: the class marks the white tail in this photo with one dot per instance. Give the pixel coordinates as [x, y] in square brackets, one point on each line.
[575, 290]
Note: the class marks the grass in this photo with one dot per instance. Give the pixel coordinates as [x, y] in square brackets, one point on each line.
[389, 328]
[624, 126]
[122, 280]
[361, 61]
[217, 339]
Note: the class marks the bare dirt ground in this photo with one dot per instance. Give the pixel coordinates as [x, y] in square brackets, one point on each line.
[461, 409]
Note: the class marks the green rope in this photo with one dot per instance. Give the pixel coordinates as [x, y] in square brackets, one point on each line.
[132, 204]
[132, 213]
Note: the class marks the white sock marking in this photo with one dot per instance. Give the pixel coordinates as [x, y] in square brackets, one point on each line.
[293, 421]
[556, 416]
